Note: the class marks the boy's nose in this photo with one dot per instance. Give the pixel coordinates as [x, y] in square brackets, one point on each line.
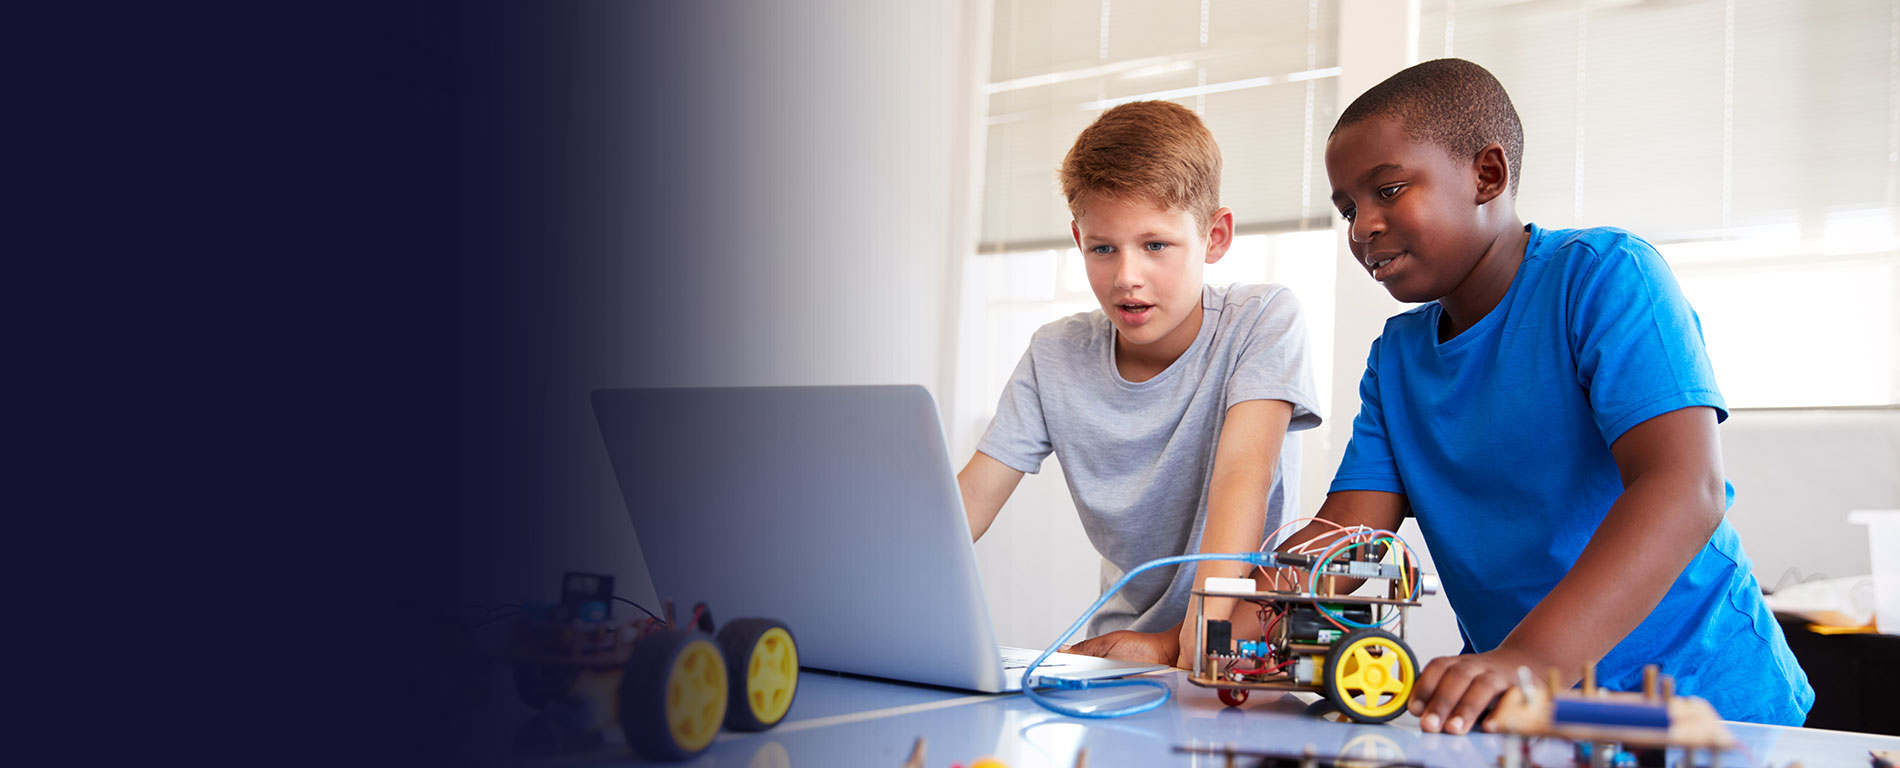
[1364, 227]
[1128, 274]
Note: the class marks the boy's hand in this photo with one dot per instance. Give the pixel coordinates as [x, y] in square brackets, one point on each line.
[1454, 691]
[1129, 645]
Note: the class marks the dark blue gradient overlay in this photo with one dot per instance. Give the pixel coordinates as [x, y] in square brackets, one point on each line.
[585, 195]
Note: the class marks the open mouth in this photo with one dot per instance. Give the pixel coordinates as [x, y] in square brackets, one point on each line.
[1379, 267]
[1134, 309]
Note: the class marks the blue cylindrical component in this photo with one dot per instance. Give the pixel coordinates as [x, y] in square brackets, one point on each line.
[1575, 712]
[1253, 647]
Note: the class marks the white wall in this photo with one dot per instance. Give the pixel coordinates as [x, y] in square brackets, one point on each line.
[1797, 473]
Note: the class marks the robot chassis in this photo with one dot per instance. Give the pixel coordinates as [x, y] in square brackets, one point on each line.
[1317, 639]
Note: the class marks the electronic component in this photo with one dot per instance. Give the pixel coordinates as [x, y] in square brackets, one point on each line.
[1296, 559]
[1305, 670]
[1217, 585]
[1364, 566]
[1220, 633]
[588, 595]
[1304, 624]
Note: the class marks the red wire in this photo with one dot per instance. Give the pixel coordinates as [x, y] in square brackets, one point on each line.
[1264, 669]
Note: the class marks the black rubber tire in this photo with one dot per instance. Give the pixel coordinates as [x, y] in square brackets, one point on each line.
[1340, 699]
[737, 640]
[643, 690]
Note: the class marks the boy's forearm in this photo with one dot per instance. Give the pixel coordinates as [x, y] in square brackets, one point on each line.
[1245, 460]
[985, 484]
[1234, 524]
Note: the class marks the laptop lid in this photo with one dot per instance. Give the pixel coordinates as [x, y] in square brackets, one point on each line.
[833, 509]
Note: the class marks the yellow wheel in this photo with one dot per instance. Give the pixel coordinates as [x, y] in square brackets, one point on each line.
[764, 676]
[673, 696]
[1370, 674]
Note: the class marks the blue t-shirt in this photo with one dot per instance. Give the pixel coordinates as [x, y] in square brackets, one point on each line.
[1500, 441]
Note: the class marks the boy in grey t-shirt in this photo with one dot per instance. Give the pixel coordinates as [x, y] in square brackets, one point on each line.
[1171, 407]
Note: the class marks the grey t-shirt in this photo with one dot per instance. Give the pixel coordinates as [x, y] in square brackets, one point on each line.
[1138, 455]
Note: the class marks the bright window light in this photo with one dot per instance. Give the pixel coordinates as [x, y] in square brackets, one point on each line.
[1247, 261]
[1075, 274]
[1305, 263]
[1753, 243]
[1862, 231]
[1804, 337]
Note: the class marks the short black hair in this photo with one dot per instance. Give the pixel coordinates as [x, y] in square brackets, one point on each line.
[1453, 103]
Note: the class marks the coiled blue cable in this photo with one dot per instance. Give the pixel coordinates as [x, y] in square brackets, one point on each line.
[1263, 559]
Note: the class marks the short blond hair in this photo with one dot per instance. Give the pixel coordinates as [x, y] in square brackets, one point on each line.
[1157, 150]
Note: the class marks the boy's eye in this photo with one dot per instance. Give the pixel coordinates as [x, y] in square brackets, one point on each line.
[1102, 250]
[1157, 246]
[1387, 193]
[1347, 213]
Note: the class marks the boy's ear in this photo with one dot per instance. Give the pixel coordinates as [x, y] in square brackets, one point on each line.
[1494, 173]
[1220, 236]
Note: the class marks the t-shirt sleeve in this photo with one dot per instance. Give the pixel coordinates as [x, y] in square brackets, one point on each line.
[1368, 464]
[1018, 436]
[1637, 342]
[1272, 362]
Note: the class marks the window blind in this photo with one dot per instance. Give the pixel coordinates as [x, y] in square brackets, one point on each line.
[1259, 74]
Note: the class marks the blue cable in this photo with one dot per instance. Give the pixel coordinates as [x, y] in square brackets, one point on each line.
[1263, 559]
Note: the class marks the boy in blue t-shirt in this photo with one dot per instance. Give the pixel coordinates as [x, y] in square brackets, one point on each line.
[1548, 414]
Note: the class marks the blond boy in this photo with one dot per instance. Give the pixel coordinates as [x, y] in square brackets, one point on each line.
[1170, 407]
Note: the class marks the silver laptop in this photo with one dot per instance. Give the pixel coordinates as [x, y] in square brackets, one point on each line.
[833, 509]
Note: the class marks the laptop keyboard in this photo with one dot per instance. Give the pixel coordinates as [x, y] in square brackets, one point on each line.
[1019, 658]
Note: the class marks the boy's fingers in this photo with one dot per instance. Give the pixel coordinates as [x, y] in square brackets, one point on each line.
[1483, 690]
[1427, 682]
[1450, 690]
[1090, 647]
